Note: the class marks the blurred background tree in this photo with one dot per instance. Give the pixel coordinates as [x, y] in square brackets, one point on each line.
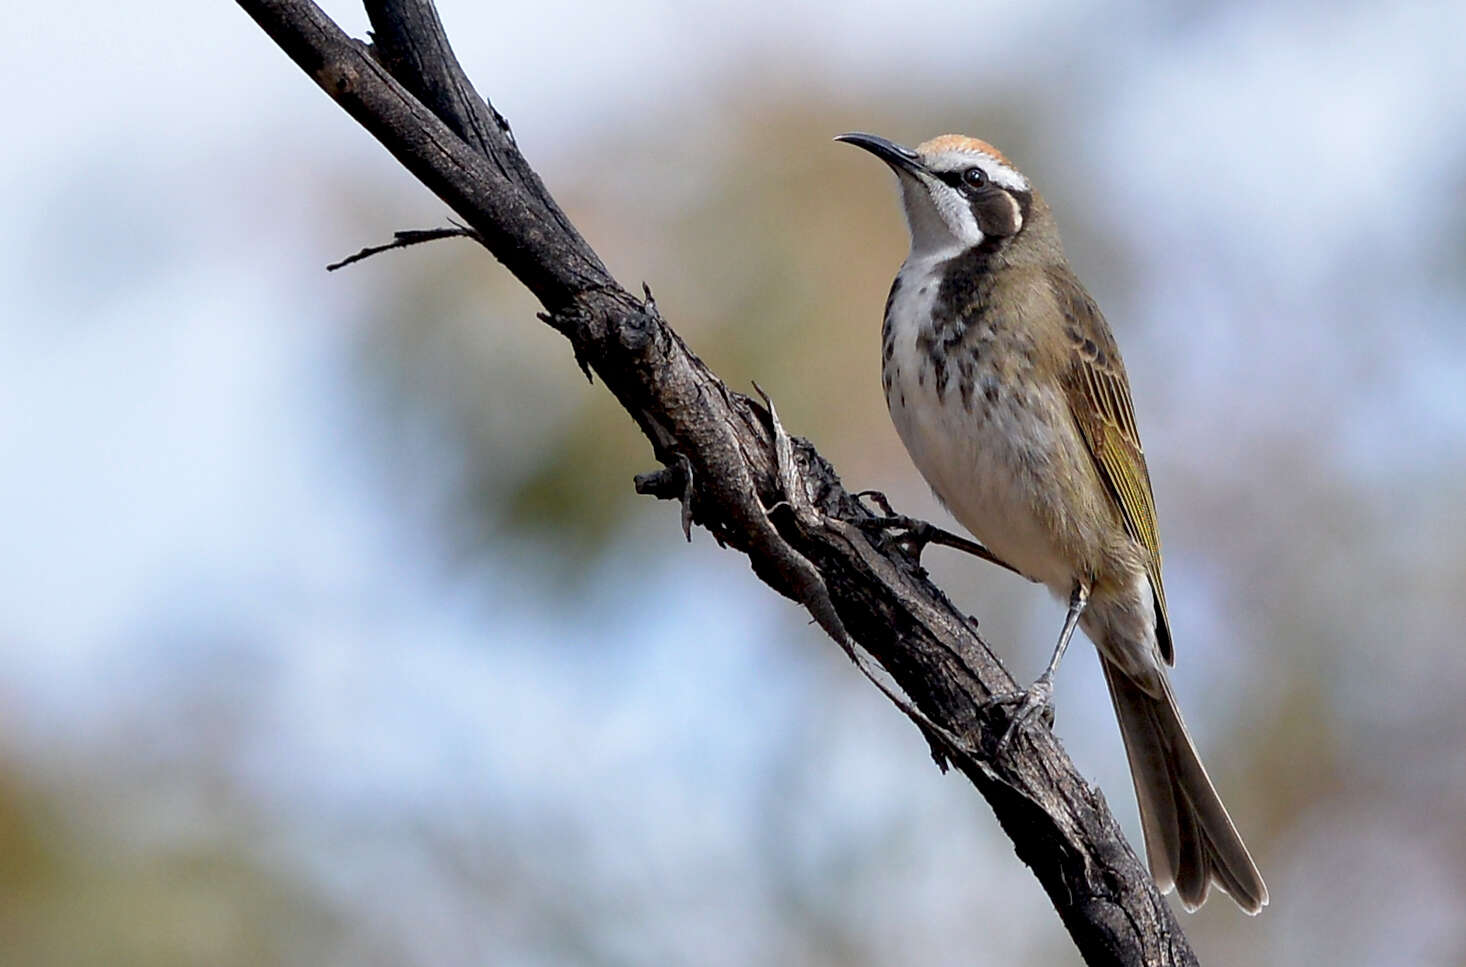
[328, 631]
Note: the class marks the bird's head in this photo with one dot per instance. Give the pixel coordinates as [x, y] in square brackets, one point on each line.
[959, 192]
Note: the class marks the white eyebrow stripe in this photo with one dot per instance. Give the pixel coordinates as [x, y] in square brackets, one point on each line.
[1001, 174]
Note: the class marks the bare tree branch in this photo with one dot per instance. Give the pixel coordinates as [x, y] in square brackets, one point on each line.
[738, 474]
[406, 238]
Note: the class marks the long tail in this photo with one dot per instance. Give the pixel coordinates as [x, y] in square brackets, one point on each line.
[1189, 837]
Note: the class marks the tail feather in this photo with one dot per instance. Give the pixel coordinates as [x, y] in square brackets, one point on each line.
[1189, 838]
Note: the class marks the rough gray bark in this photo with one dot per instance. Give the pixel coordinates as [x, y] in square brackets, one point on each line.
[738, 474]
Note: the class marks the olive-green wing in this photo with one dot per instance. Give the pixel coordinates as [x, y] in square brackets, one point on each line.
[1099, 400]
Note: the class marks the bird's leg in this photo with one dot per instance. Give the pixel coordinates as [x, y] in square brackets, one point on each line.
[1040, 695]
[912, 535]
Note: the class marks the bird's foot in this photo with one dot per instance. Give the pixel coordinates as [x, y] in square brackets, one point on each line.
[911, 536]
[879, 499]
[900, 533]
[1035, 701]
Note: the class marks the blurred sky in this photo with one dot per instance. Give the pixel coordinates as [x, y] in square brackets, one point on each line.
[330, 631]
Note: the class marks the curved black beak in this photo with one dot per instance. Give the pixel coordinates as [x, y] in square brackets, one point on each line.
[899, 157]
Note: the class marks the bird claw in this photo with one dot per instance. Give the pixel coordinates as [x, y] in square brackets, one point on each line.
[911, 536]
[1036, 700]
[898, 532]
[908, 536]
[877, 498]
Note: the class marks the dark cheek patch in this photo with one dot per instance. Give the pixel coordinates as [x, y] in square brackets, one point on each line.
[997, 213]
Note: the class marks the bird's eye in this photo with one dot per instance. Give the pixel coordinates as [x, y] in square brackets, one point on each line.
[974, 177]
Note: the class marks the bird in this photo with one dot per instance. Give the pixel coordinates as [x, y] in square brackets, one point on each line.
[1006, 386]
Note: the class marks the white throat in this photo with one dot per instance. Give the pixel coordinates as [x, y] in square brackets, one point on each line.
[941, 222]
